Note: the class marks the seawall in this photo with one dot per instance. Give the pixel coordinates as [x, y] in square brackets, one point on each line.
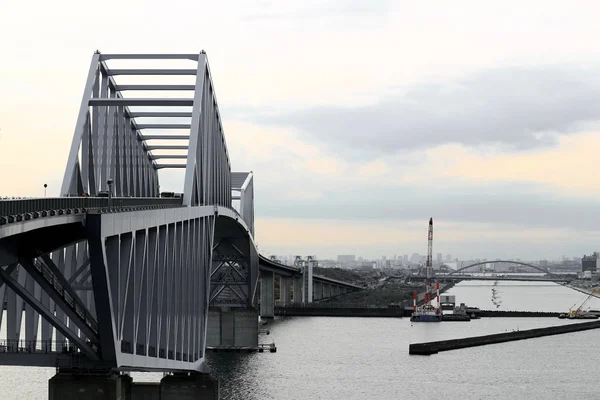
[391, 312]
[512, 314]
[453, 344]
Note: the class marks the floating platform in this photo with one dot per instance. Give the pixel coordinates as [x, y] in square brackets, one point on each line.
[445, 345]
[261, 348]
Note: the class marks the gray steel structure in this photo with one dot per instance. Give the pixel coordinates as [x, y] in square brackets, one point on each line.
[124, 282]
[111, 275]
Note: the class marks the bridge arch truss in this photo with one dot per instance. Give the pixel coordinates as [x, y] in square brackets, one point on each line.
[125, 281]
[501, 261]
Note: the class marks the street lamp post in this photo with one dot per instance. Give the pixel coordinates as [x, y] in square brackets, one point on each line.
[109, 182]
[45, 186]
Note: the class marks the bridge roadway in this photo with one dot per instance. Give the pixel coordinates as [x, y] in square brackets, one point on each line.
[124, 278]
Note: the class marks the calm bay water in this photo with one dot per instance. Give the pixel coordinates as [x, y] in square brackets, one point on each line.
[364, 358]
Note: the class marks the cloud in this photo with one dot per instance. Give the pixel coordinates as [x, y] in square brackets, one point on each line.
[510, 108]
[297, 179]
[328, 238]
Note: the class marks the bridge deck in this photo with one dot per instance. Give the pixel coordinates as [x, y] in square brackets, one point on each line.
[17, 210]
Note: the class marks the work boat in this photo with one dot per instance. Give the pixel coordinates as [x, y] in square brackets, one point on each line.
[427, 312]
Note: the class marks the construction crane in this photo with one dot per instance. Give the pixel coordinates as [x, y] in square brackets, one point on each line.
[429, 265]
[579, 313]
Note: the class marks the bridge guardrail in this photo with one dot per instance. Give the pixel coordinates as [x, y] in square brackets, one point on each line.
[16, 210]
[39, 346]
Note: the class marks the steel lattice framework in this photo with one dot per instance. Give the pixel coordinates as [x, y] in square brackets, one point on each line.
[126, 281]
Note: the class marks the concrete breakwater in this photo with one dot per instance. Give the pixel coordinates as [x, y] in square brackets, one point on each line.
[342, 311]
[453, 344]
[512, 314]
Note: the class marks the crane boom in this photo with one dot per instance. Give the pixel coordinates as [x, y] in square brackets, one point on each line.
[429, 265]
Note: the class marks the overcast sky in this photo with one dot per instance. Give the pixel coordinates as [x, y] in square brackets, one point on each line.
[360, 119]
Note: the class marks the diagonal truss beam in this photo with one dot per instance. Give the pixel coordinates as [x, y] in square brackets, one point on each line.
[9, 270]
[47, 314]
[79, 271]
[62, 294]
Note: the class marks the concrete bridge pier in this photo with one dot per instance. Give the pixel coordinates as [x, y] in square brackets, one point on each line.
[317, 291]
[326, 291]
[94, 387]
[121, 387]
[307, 283]
[267, 294]
[232, 327]
[284, 290]
[297, 287]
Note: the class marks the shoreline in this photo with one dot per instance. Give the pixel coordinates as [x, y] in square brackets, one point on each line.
[585, 290]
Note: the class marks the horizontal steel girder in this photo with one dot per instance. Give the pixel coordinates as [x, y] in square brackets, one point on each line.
[193, 57]
[171, 156]
[113, 72]
[120, 102]
[165, 137]
[163, 166]
[159, 114]
[122, 88]
[163, 126]
[167, 147]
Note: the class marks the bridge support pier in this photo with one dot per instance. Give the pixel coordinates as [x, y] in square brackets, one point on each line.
[317, 291]
[121, 387]
[327, 291]
[297, 290]
[267, 294]
[284, 290]
[192, 386]
[232, 327]
[94, 387]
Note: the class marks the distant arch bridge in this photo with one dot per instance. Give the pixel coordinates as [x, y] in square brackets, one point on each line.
[504, 262]
[456, 275]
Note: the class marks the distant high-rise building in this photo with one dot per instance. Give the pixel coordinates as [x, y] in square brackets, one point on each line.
[590, 263]
[439, 258]
[383, 258]
[448, 257]
[405, 258]
[346, 258]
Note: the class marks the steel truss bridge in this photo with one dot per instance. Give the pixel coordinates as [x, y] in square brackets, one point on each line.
[111, 274]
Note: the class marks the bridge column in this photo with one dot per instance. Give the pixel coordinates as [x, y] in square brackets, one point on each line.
[307, 283]
[72, 386]
[284, 290]
[297, 289]
[193, 386]
[318, 291]
[267, 294]
[338, 291]
[232, 327]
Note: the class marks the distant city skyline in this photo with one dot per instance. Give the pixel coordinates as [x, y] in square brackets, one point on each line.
[447, 258]
[360, 120]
